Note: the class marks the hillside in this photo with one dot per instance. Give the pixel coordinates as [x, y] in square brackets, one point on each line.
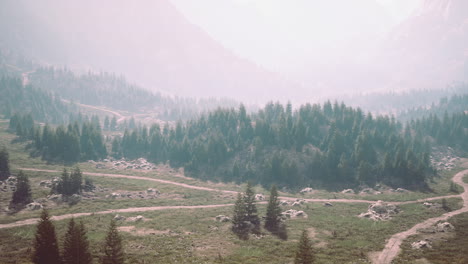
[149, 42]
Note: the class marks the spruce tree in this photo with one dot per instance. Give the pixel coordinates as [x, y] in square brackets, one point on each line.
[76, 178]
[240, 226]
[4, 165]
[273, 214]
[113, 250]
[251, 209]
[304, 253]
[22, 194]
[45, 244]
[76, 245]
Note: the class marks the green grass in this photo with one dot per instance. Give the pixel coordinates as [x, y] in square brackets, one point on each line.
[448, 249]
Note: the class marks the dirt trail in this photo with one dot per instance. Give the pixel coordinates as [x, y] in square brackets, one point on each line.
[195, 187]
[33, 221]
[392, 248]
[119, 116]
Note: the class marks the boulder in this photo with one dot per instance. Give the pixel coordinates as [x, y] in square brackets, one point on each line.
[401, 190]
[367, 191]
[34, 206]
[100, 166]
[223, 218]
[119, 217]
[293, 214]
[55, 197]
[74, 199]
[284, 203]
[380, 211]
[421, 244]
[296, 204]
[137, 218]
[114, 195]
[444, 227]
[327, 204]
[348, 191]
[306, 190]
[152, 191]
[259, 197]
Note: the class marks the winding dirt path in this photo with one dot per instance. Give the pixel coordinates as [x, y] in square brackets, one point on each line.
[33, 221]
[197, 187]
[392, 248]
[119, 116]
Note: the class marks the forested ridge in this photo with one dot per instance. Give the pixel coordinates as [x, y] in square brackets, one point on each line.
[107, 89]
[330, 145]
[43, 106]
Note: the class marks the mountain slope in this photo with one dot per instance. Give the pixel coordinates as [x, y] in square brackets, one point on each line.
[148, 41]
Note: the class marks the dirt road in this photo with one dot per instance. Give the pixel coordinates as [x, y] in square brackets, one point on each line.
[196, 187]
[118, 115]
[392, 248]
[33, 221]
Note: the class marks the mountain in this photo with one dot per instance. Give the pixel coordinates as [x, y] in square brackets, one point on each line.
[429, 49]
[150, 42]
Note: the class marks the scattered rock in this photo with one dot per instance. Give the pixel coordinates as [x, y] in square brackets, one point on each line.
[74, 199]
[223, 218]
[55, 197]
[34, 206]
[444, 227]
[152, 191]
[100, 166]
[284, 203]
[421, 244]
[296, 204]
[137, 218]
[119, 218]
[367, 191]
[380, 211]
[259, 197]
[327, 204]
[293, 214]
[348, 191]
[401, 190]
[306, 190]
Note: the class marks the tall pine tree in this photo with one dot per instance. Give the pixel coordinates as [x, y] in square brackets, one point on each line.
[113, 250]
[304, 253]
[251, 209]
[273, 214]
[240, 225]
[76, 245]
[45, 244]
[4, 165]
[22, 194]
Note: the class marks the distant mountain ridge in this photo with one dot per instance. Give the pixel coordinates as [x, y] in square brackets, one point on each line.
[150, 42]
[430, 49]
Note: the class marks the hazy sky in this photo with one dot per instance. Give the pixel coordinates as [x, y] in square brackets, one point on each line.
[285, 35]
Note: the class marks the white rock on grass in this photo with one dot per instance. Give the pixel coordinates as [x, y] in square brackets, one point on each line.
[444, 227]
[259, 197]
[306, 190]
[348, 191]
[223, 218]
[34, 206]
[421, 244]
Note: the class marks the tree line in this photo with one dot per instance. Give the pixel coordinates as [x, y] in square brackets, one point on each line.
[68, 144]
[329, 145]
[76, 247]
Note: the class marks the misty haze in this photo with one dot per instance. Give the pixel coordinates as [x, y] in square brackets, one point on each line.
[233, 131]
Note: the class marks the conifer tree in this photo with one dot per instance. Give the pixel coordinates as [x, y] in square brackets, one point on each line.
[76, 245]
[45, 244]
[76, 178]
[273, 214]
[240, 226]
[304, 253]
[113, 250]
[251, 209]
[4, 165]
[22, 194]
